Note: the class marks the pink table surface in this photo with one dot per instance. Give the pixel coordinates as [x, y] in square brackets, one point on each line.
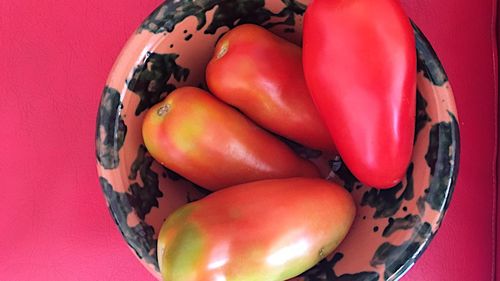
[55, 57]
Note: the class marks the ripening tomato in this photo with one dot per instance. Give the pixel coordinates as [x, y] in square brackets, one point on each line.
[215, 146]
[261, 74]
[360, 66]
[268, 230]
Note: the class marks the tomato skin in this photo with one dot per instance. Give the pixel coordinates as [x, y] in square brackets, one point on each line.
[215, 146]
[360, 66]
[268, 230]
[261, 74]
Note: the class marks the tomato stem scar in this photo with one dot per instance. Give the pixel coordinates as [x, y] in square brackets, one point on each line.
[321, 253]
[163, 110]
[223, 49]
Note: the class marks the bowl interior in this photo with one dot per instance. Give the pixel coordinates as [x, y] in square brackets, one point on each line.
[171, 49]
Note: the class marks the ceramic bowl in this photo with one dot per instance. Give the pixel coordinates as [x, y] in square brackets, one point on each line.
[171, 49]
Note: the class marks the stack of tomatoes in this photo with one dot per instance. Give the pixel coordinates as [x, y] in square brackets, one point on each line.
[351, 91]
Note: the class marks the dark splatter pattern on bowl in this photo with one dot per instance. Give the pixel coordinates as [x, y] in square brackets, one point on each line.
[170, 49]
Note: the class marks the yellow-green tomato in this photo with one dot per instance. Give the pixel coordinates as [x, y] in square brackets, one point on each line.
[215, 146]
[267, 230]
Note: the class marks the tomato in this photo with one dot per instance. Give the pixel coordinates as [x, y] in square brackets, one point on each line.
[261, 74]
[268, 230]
[360, 66]
[215, 146]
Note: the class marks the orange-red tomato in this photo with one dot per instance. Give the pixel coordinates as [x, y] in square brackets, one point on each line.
[268, 230]
[215, 146]
[261, 74]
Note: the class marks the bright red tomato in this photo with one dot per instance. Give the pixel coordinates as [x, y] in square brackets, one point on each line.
[269, 230]
[360, 66]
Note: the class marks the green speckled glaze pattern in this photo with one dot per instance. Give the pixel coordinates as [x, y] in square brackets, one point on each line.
[171, 49]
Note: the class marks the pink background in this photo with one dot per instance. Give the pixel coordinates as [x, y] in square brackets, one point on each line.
[54, 224]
